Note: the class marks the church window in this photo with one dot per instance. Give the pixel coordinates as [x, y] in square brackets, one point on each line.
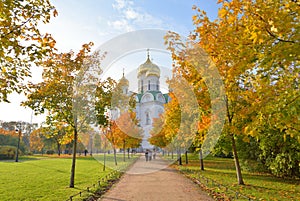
[157, 86]
[148, 84]
[147, 118]
[142, 86]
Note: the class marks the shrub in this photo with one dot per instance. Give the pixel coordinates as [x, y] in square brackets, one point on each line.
[50, 152]
[280, 155]
[7, 152]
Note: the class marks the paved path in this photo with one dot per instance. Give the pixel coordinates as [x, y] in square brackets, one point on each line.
[154, 181]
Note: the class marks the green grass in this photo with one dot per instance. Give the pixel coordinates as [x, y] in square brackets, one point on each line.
[47, 178]
[258, 186]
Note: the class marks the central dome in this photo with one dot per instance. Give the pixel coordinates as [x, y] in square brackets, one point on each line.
[148, 68]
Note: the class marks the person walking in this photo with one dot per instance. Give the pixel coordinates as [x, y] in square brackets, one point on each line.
[146, 155]
[150, 155]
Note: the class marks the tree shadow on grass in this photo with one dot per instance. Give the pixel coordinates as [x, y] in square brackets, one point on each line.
[48, 168]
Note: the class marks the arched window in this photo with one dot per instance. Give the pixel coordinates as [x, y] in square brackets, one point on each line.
[142, 86]
[148, 84]
[147, 118]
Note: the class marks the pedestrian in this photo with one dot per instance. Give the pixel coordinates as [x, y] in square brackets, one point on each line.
[150, 155]
[154, 155]
[146, 155]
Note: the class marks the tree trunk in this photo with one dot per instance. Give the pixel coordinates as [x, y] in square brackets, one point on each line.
[172, 154]
[236, 162]
[104, 158]
[72, 178]
[58, 148]
[124, 150]
[115, 156]
[179, 157]
[128, 156]
[186, 157]
[201, 160]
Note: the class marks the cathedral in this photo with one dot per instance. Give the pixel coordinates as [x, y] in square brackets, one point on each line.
[149, 99]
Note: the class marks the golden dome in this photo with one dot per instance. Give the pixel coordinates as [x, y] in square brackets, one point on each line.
[148, 68]
[123, 81]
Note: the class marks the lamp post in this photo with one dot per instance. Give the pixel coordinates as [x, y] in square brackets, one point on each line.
[18, 147]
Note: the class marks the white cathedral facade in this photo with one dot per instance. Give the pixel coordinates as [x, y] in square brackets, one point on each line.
[149, 99]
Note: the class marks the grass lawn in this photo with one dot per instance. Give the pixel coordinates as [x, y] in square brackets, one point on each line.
[47, 178]
[258, 186]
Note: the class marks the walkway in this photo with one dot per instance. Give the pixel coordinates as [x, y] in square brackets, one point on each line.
[154, 181]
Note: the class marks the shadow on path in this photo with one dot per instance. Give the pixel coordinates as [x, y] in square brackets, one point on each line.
[154, 181]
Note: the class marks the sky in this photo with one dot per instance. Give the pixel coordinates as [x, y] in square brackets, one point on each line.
[101, 22]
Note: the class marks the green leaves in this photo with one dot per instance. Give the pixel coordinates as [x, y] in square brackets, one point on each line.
[254, 45]
[22, 44]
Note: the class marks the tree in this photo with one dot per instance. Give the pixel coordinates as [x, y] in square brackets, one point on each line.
[158, 133]
[65, 93]
[97, 142]
[22, 44]
[10, 137]
[254, 53]
[113, 136]
[59, 132]
[36, 140]
[129, 134]
[103, 106]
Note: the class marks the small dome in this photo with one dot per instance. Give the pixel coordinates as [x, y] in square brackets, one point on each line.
[123, 81]
[149, 68]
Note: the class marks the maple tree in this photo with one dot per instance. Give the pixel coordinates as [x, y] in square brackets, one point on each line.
[59, 132]
[158, 133]
[172, 122]
[129, 134]
[36, 140]
[104, 95]
[22, 43]
[124, 133]
[255, 54]
[69, 79]
[173, 129]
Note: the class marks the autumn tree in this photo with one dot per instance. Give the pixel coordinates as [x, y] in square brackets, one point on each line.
[158, 133]
[36, 140]
[10, 137]
[255, 54]
[22, 43]
[129, 134]
[59, 132]
[69, 79]
[103, 105]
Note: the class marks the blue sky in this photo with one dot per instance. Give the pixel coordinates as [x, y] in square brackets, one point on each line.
[82, 21]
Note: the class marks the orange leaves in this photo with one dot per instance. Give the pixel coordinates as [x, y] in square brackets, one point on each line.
[7, 132]
[204, 123]
[36, 141]
[125, 129]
